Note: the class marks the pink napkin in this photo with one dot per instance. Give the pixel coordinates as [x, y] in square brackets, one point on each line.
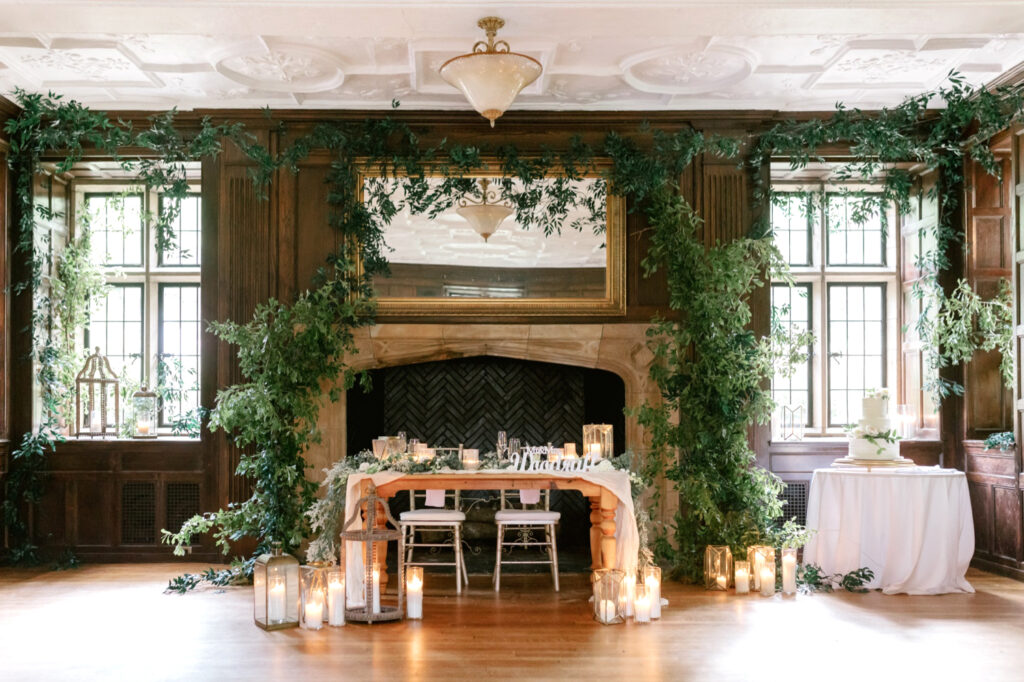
[529, 496]
[435, 498]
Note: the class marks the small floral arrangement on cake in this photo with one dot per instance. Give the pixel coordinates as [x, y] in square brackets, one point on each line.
[882, 393]
[873, 435]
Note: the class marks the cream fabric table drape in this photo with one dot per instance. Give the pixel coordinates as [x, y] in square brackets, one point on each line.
[627, 538]
[912, 527]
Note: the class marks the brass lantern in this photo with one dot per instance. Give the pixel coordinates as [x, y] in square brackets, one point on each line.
[275, 583]
[606, 584]
[597, 441]
[144, 407]
[717, 567]
[96, 387]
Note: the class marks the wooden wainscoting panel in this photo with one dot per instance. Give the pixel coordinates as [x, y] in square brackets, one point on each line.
[982, 510]
[989, 224]
[1006, 537]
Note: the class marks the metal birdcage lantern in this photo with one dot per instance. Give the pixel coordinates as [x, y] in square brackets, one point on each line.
[275, 587]
[373, 605]
[96, 387]
[144, 408]
[598, 441]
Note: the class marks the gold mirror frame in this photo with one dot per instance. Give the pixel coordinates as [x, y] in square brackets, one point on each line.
[612, 304]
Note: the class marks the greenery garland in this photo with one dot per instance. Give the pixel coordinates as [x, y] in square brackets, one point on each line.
[49, 126]
[711, 370]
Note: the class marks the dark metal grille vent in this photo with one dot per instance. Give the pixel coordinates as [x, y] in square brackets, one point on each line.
[795, 496]
[182, 504]
[138, 513]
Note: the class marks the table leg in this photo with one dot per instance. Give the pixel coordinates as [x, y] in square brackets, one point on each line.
[609, 503]
[595, 532]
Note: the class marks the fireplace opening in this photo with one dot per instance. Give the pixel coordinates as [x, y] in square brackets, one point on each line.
[467, 401]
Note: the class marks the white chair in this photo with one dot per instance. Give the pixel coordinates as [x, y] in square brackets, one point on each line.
[523, 522]
[434, 520]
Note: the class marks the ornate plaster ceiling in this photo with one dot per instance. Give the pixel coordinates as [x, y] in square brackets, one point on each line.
[785, 54]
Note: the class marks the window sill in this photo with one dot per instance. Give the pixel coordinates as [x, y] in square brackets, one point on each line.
[87, 442]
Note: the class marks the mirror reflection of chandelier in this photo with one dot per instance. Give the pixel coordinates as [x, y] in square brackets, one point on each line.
[486, 214]
[491, 75]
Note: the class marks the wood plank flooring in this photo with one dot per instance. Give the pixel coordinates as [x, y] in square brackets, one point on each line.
[112, 622]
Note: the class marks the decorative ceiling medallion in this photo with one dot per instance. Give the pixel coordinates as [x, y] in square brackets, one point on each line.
[688, 69]
[285, 68]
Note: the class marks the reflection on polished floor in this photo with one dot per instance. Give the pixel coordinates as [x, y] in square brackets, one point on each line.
[111, 622]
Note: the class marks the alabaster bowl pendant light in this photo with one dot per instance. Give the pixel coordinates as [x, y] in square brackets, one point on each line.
[486, 214]
[491, 75]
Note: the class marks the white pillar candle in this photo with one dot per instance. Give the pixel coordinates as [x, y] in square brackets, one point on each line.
[642, 604]
[757, 568]
[414, 597]
[767, 581]
[653, 586]
[275, 600]
[742, 581]
[595, 450]
[143, 427]
[336, 602]
[627, 595]
[606, 611]
[722, 583]
[376, 589]
[788, 573]
[314, 612]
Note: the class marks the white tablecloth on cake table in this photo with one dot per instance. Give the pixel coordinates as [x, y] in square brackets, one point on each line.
[912, 527]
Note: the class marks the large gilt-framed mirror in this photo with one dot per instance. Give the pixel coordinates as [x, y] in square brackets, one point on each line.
[457, 263]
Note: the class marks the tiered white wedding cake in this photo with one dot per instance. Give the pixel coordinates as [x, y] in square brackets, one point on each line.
[874, 437]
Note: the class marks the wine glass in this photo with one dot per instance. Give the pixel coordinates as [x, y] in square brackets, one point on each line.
[502, 443]
[513, 446]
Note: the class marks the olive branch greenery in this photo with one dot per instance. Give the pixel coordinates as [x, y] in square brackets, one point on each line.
[711, 369]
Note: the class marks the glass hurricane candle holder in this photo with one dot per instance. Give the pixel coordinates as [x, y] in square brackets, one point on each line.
[758, 556]
[906, 420]
[627, 595]
[471, 459]
[335, 597]
[597, 441]
[742, 581]
[144, 407]
[642, 605]
[652, 582]
[313, 580]
[717, 567]
[414, 592]
[789, 570]
[275, 583]
[606, 584]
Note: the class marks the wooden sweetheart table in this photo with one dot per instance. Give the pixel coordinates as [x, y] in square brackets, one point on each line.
[599, 488]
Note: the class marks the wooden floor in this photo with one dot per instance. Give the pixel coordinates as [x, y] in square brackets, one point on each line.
[113, 623]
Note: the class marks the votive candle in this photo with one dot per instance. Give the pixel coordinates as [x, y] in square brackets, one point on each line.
[414, 592]
[336, 598]
[606, 611]
[652, 581]
[642, 605]
[742, 577]
[276, 600]
[767, 581]
[789, 570]
[628, 594]
[314, 617]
